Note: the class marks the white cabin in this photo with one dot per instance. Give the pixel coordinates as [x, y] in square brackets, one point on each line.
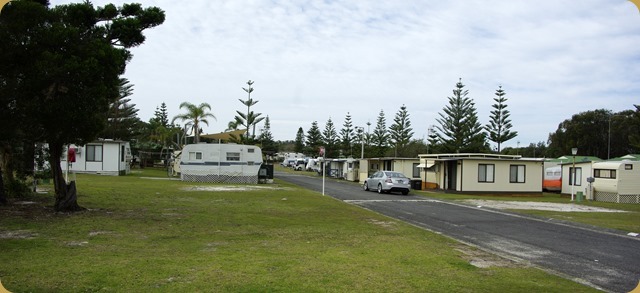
[220, 163]
[617, 181]
[105, 157]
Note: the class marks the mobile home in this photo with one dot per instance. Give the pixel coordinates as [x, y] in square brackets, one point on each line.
[617, 181]
[228, 163]
[105, 157]
[486, 173]
[406, 166]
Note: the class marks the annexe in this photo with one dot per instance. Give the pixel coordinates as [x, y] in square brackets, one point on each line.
[106, 157]
[483, 173]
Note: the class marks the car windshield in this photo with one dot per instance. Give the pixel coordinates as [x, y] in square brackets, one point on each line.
[395, 175]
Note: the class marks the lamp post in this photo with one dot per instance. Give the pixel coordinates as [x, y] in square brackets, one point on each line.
[430, 132]
[361, 130]
[574, 151]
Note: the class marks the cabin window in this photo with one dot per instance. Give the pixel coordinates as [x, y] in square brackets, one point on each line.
[628, 166]
[486, 173]
[517, 173]
[94, 153]
[251, 150]
[195, 156]
[604, 173]
[416, 170]
[233, 156]
[577, 175]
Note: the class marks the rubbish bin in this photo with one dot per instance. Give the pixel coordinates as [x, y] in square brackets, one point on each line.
[416, 184]
[579, 196]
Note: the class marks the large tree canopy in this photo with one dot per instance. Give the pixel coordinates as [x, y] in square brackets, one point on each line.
[599, 133]
[60, 69]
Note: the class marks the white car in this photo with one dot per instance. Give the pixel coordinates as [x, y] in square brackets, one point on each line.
[387, 181]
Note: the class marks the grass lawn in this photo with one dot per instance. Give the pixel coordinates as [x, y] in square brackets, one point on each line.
[628, 221]
[141, 234]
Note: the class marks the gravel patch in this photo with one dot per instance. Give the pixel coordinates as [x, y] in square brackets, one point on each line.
[545, 206]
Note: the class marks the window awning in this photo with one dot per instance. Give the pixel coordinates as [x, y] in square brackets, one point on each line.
[426, 164]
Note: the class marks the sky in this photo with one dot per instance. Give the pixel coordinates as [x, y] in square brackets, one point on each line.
[321, 60]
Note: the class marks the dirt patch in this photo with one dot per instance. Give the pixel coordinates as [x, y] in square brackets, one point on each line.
[545, 206]
[18, 234]
[232, 188]
[482, 259]
[384, 224]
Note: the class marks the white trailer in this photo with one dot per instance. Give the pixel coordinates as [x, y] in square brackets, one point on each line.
[617, 181]
[104, 157]
[220, 163]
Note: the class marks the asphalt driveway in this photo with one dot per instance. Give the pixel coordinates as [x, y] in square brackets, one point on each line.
[605, 259]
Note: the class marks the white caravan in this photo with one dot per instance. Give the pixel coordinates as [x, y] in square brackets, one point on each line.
[220, 163]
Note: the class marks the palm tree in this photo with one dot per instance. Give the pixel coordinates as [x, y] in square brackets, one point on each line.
[195, 115]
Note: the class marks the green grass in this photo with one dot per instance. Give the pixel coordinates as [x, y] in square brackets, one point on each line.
[628, 221]
[142, 235]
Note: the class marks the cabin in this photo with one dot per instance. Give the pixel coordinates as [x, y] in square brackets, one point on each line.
[220, 163]
[406, 166]
[616, 181]
[482, 173]
[104, 157]
[583, 170]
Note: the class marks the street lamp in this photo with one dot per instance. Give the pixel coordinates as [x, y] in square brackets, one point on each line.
[430, 132]
[361, 130]
[574, 151]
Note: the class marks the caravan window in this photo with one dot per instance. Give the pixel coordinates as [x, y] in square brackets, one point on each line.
[251, 150]
[516, 174]
[94, 153]
[486, 173]
[195, 156]
[577, 174]
[604, 173]
[628, 166]
[233, 156]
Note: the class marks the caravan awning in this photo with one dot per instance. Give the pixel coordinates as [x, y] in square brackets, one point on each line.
[225, 135]
[426, 164]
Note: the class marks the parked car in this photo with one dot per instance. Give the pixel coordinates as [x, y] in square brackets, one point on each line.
[387, 181]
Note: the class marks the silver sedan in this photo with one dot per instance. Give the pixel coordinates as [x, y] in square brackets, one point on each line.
[387, 181]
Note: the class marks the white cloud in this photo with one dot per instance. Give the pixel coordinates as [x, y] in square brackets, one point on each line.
[312, 60]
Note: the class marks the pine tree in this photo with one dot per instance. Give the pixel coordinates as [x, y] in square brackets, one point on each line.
[314, 139]
[250, 119]
[347, 136]
[162, 115]
[459, 129]
[299, 143]
[122, 118]
[499, 127]
[330, 138]
[400, 131]
[266, 138]
[380, 136]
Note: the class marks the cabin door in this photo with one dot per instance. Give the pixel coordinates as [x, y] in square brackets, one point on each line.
[451, 174]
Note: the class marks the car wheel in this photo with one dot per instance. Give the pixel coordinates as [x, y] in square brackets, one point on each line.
[405, 192]
[365, 186]
[380, 188]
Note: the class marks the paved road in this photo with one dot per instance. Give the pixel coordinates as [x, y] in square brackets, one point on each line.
[604, 259]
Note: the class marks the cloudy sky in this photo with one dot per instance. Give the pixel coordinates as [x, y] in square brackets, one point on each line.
[319, 60]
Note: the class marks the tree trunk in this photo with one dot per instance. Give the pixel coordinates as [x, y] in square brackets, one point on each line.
[3, 195]
[66, 194]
